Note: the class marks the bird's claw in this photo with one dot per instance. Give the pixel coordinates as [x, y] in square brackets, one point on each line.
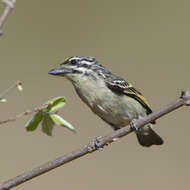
[133, 126]
[94, 144]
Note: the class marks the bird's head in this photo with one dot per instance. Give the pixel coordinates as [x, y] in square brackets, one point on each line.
[77, 66]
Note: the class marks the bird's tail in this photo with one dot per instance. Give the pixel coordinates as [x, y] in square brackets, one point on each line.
[147, 137]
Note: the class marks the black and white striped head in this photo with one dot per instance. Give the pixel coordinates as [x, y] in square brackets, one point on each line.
[77, 65]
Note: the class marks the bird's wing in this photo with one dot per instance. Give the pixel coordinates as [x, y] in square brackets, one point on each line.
[121, 86]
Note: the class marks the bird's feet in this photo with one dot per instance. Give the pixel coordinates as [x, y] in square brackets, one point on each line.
[133, 126]
[94, 144]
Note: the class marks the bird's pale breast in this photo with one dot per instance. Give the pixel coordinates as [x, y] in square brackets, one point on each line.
[116, 109]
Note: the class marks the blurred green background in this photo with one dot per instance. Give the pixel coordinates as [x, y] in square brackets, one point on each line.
[146, 42]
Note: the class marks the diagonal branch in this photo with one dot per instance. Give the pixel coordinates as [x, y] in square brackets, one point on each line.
[9, 5]
[27, 112]
[88, 148]
[16, 84]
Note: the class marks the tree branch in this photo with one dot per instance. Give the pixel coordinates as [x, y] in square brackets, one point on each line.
[2, 95]
[9, 6]
[89, 148]
[27, 112]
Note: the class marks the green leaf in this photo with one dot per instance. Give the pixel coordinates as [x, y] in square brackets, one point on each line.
[61, 122]
[19, 87]
[55, 104]
[3, 100]
[34, 122]
[47, 125]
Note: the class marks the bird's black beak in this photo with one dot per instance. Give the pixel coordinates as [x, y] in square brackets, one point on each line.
[60, 71]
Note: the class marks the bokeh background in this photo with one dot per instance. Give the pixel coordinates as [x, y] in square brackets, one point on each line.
[146, 42]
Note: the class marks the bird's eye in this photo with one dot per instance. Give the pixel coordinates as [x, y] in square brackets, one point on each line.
[73, 62]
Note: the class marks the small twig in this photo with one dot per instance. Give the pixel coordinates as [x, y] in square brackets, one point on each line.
[27, 112]
[15, 85]
[9, 6]
[86, 149]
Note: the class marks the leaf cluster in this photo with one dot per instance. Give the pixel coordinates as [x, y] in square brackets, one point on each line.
[48, 118]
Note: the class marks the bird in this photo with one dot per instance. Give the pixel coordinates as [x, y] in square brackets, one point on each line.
[112, 98]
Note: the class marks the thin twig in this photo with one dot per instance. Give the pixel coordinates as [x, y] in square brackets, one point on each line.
[27, 112]
[9, 6]
[89, 148]
[15, 85]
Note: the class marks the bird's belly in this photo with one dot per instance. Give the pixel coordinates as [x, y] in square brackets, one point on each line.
[115, 109]
[111, 116]
[118, 110]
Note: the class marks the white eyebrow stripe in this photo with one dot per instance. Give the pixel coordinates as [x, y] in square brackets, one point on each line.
[86, 62]
[74, 58]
